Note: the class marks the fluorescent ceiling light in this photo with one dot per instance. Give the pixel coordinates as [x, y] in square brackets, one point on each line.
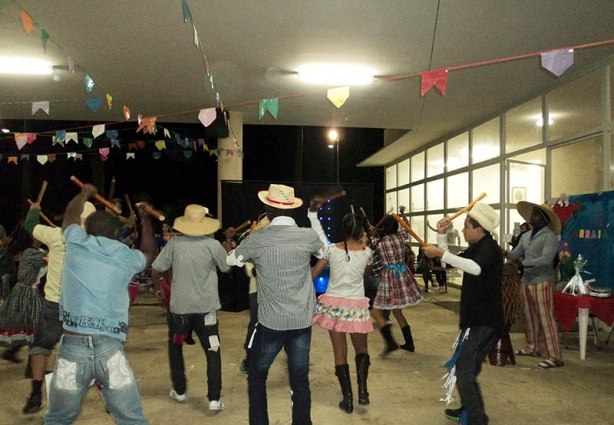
[24, 66]
[336, 75]
[540, 121]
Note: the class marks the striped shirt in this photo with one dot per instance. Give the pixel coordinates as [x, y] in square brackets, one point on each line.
[281, 254]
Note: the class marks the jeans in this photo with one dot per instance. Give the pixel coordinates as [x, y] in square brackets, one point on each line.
[81, 359]
[265, 347]
[481, 341]
[48, 330]
[179, 327]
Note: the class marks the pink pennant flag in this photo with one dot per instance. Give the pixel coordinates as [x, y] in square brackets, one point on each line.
[207, 116]
[437, 78]
[201, 142]
[140, 144]
[71, 64]
[80, 156]
[557, 61]
[44, 106]
[230, 152]
[104, 152]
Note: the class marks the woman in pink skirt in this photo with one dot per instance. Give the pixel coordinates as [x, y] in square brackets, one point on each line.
[344, 308]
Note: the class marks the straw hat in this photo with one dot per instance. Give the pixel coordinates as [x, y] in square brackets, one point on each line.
[88, 209]
[195, 222]
[485, 215]
[525, 209]
[280, 196]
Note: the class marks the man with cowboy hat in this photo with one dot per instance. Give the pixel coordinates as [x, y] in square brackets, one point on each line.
[537, 249]
[481, 309]
[194, 257]
[281, 254]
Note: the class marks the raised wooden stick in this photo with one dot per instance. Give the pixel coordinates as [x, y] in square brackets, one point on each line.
[365, 214]
[43, 216]
[468, 207]
[42, 192]
[154, 213]
[335, 196]
[409, 229]
[381, 221]
[243, 225]
[99, 198]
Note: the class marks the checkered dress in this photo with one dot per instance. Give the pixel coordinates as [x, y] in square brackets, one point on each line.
[21, 310]
[398, 287]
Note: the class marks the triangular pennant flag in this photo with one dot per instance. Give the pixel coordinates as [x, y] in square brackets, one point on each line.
[156, 155]
[167, 134]
[71, 64]
[437, 78]
[71, 155]
[185, 143]
[140, 144]
[230, 152]
[12, 159]
[206, 63]
[111, 134]
[26, 21]
[201, 142]
[25, 156]
[21, 140]
[72, 137]
[148, 122]
[97, 130]
[42, 159]
[51, 157]
[80, 156]
[139, 118]
[195, 36]
[60, 137]
[44, 106]
[160, 144]
[186, 12]
[270, 105]
[187, 154]
[109, 101]
[89, 83]
[194, 144]
[31, 138]
[129, 155]
[557, 61]
[155, 130]
[132, 146]
[104, 152]
[206, 148]
[94, 103]
[115, 142]
[338, 96]
[44, 39]
[178, 139]
[103, 158]
[145, 130]
[126, 113]
[218, 151]
[88, 141]
[207, 116]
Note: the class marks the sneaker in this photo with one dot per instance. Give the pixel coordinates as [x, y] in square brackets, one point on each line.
[454, 414]
[176, 396]
[244, 366]
[33, 404]
[216, 405]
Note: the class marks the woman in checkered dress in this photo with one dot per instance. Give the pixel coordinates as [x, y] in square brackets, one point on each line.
[398, 287]
[19, 314]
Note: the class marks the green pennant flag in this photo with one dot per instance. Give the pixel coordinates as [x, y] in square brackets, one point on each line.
[88, 141]
[187, 154]
[45, 37]
[271, 105]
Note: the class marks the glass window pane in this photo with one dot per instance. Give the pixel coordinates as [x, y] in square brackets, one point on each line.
[403, 198]
[403, 172]
[431, 235]
[435, 195]
[526, 183]
[458, 191]
[487, 180]
[416, 223]
[417, 167]
[515, 217]
[578, 168]
[417, 198]
[575, 106]
[458, 152]
[612, 91]
[523, 126]
[391, 201]
[435, 162]
[535, 157]
[485, 143]
[391, 177]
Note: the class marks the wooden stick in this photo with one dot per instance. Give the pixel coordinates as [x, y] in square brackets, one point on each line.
[99, 198]
[335, 196]
[42, 192]
[352, 208]
[112, 188]
[379, 223]
[154, 213]
[409, 229]
[243, 226]
[468, 207]
[253, 226]
[43, 216]
[365, 214]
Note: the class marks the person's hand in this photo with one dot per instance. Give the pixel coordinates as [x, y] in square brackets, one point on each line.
[141, 209]
[89, 190]
[230, 234]
[315, 203]
[443, 225]
[402, 209]
[432, 251]
[161, 296]
[35, 205]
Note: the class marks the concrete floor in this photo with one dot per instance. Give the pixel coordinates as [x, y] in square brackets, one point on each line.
[405, 387]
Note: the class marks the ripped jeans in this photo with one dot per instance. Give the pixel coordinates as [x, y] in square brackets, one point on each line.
[81, 359]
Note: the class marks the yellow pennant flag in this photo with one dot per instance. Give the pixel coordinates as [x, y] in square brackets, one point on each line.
[338, 96]
[160, 144]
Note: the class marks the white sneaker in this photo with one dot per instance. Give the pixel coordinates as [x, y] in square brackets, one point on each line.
[178, 397]
[216, 405]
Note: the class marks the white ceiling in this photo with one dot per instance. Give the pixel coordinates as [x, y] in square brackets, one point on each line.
[142, 53]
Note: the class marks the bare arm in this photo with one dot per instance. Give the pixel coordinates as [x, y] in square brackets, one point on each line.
[72, 215]
[317, 269]
[148, 247]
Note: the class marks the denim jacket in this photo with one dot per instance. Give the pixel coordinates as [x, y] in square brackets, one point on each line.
[538, 252]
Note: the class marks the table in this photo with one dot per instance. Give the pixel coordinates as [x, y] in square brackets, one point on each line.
[567, 307]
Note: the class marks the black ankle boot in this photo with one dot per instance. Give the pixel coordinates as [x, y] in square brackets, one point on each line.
[390, 344]
[362, 371]
[409, 341]
[343, 373]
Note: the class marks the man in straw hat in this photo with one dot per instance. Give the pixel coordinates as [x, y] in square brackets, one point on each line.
[537, 249]
[94, 311]
[281, 254]
[481, 310]
[194, 257]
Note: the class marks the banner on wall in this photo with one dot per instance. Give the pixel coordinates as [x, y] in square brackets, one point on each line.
[590, 232]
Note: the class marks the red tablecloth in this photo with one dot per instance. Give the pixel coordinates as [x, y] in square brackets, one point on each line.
[566, 308]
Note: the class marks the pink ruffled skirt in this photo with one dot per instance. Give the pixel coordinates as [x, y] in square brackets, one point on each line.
[339, 314]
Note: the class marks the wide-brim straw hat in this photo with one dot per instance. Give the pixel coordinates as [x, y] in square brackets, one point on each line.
[525, 209]
[195, 222]
[485, 215]
[280, 196]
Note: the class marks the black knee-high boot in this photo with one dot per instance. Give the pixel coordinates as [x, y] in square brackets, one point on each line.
[390, 344]
[362, 372]
[409, 341]
[343, 373]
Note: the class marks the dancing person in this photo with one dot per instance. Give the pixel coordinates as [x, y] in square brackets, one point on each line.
[536, 251]
[7, 267]
[481, 308]
[344, 308]
[286, 300]
[424, 267]
[194, 258]
[94, 310]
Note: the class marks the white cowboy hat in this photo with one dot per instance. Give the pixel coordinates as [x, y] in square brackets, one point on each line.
[525, 209]
[195, 222]
[280, 196]
[485, 215]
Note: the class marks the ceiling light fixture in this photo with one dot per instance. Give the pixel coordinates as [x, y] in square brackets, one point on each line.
[336, 75]
[540, 121]
[24, 66]
[5, 130]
